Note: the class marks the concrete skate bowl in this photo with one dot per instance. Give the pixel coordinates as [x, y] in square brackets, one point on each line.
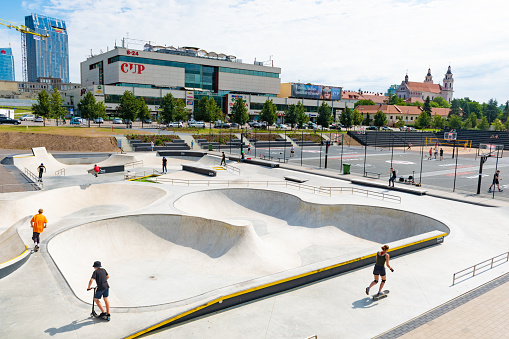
[163, 258]
[316, 232]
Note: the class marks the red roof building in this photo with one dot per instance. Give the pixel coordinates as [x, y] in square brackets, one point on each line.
[419, 91]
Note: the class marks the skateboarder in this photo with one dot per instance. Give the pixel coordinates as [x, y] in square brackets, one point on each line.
[41, 170]
[393, 177]
[96, 170]
[223, 160]
[496, 178]
[382, 259]
[165, 161]
[103, 289]
[38, 223]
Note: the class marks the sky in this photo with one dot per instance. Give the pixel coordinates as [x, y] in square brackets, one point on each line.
[367, 44]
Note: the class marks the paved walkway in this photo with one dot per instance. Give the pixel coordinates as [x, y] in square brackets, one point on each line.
[480, 313]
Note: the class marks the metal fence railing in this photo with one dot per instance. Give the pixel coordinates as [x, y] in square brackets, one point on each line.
[34, 178]
[476, 268]
[60, 172]
[132, 164]
[328, 191]
[234, 169]
[129, 175]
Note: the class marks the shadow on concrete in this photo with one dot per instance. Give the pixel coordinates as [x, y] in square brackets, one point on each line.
[74, 325]
[364, 303]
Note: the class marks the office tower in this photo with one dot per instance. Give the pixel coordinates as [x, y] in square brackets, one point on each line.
[6, 64]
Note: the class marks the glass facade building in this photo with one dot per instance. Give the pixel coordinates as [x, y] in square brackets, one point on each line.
[6, 64]
[47, 58]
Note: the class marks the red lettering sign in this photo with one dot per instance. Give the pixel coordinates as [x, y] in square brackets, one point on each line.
[134, 68]
[132, 52]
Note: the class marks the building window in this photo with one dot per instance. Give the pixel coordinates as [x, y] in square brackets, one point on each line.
[391, 117]
[411, 118]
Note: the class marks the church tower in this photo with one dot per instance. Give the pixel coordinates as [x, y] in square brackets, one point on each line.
[429, 78]
[447, 88]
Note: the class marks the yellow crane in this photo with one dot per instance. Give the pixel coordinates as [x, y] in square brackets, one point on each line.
[22, 28]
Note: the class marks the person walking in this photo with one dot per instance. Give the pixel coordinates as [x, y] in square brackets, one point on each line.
[441, 154]
[152, 146]
[392, 177]
[41, 170]
[249, 149]
[496, 179]
[165, 161]
[192, 144]
[223, 160]
[38, 223]
[430, 153]
[292, 152]
[96, 170]
[436, 153]
[382, 259]
[409, 146]
[103, 289]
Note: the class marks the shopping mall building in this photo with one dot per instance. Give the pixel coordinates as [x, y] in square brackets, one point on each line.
[189, 74]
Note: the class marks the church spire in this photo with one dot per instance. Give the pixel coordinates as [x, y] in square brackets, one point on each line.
[406, 78]
[428, 78]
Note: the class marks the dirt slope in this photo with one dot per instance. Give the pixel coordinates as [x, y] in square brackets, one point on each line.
[16, 140]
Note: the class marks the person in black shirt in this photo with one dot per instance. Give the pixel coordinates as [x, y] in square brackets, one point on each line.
[393, 177]
[103, 289]
[223, 160]
[41, 169]
[495, 182]
[165, 161]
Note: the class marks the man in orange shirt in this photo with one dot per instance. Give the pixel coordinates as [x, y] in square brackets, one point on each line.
[39, 223]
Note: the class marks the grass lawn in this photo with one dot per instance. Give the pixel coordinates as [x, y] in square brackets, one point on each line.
[70, 131]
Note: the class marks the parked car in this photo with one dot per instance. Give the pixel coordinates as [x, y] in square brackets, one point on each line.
[256, 125]
[127, 121]
[117, 121]
[75, 121]
[147, 121]
[218, 125]
[283, 126]
[234, 125]
[371, 128]
[7, 120]
[27, 117]
[225, 125]
[197, 124]
[175, 125]
[39, 119]
[386, 128]
[99, 120]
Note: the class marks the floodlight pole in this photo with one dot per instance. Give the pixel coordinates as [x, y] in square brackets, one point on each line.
[483, 159]
[342, 144]
[422, 156]
[455, 171]
[496, 169]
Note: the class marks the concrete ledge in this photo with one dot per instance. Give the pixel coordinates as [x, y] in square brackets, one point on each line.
[258, 288]
[181, 153]
[295, 179]
[199, 170]
[400, 188]
[12, 265]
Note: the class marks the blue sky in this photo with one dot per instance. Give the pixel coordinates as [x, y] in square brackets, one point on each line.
[369, 44]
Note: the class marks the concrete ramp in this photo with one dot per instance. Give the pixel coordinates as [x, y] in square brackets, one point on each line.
[117, 160]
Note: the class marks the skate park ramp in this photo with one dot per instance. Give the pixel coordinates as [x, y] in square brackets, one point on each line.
[162, 258]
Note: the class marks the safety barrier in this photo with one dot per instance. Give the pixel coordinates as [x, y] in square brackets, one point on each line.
[477, 267]
[34, 178]
[329, 191]
[132, 164]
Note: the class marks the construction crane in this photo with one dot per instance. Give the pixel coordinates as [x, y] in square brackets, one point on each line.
[24, 30]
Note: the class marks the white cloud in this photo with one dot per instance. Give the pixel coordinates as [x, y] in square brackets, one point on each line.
[355, 44]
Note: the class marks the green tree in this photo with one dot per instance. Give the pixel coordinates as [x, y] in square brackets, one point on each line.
[201, 112]
[291, 115]
[400, 123]
[427, 106]
[43, 106]
[346, 117]
[423, 120]
[394, 100]
[437, 121]
[498, 125]
[472, 117]
[300, 113]
[467, 124]
[57, 110]
[357, 118]
[143, 111]
[90, 109]
[441, 102]
[454, 122]
[324, 117]
[128, 108]
[491, 110]
[505, 111]
[506, 124]
[364, 102]
[180, 110]
[380, 119]
[483, 125]
[168, 106]
[269, 112]
[455, 107]
[367, 122]
[239, 112]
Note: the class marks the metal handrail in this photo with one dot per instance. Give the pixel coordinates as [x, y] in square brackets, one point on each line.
[480, 265]
[288, 184]
[134, 163]
[35, 179]
[134, 175]
[60, 172]
[4, 187]
[233, 168]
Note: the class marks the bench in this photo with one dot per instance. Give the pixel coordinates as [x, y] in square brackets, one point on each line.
[265, 157]
[295, 179]
[374, 174]
[282, 159]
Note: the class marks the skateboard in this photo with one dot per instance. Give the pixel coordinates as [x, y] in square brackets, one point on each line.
[378, 297]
